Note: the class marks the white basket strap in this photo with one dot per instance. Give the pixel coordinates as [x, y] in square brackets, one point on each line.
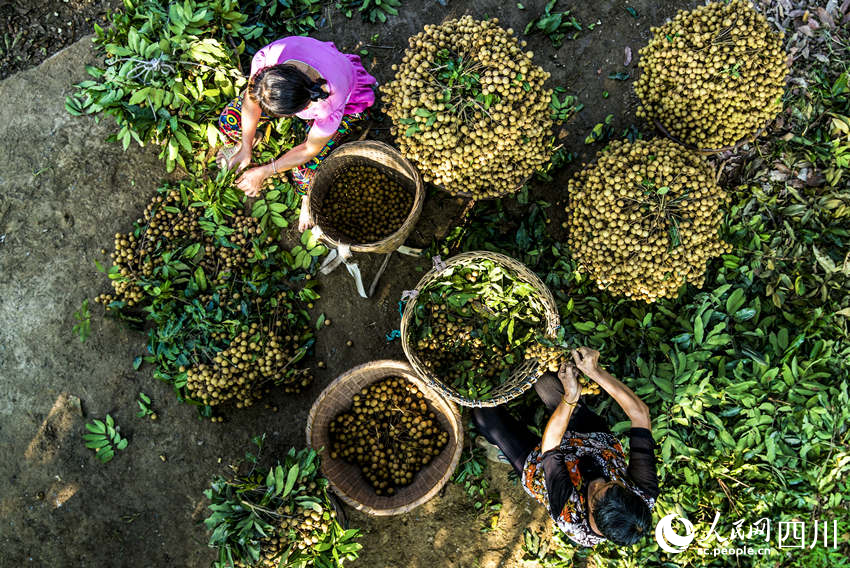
[409, 295]
[331, 262]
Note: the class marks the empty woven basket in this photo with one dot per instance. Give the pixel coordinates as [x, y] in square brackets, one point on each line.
[523, 375]
[387, 159]
[345, 478]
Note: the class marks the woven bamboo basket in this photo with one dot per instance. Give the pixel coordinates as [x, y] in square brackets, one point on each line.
[523, 375]
[391, 162]
[346, 479]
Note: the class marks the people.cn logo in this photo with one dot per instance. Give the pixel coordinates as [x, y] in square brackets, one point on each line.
[671, 541]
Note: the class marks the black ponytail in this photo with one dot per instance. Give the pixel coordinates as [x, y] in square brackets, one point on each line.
[283, 90]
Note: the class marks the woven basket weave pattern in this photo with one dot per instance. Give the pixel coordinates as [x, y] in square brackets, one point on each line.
[391, 162]
[523, 375]
[346, 479]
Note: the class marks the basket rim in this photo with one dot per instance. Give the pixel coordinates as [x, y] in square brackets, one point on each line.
[449, 410]
[388, 243]
[550, 312]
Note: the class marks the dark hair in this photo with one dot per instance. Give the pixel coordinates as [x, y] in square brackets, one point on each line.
[283, 90]
[621, 516]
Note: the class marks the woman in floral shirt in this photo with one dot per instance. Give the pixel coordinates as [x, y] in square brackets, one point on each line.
[578, 471]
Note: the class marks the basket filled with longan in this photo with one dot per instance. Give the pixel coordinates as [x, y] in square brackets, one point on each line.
[645, 219]
[469, 108]
[468, 325]
[389, 443]
[713, 77]
[367, 196]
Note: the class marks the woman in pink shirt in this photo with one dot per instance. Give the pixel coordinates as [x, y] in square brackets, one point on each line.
[303, 77]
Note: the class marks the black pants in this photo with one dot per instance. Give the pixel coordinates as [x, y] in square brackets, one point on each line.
[514, 439]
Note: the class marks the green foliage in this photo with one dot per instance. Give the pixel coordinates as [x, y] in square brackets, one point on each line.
[564, 109]
[555, 552]
[191, 286]
[747, 379]
[250, 512]
[603, 131]
[83, 326]
[170, 68]
[104, 438]
[374, 11]
[144, 403]
[555, 25]
[471, 474]
[274, 19]
[304, 255]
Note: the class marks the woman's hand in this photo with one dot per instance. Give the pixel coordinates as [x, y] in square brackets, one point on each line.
[587, 360]
[239, 161]
[568, 375]
[304, 217]
[251, 181]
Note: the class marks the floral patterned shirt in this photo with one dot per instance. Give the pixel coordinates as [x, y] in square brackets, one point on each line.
[555, 478]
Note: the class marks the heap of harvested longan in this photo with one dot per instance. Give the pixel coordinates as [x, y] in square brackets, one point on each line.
[228, 365]
[365, 205]
[469, 108]
[390, 433]
[644, 219]
[713, 76]
[551, 358]
[300, 528]
[168, 226]
[244, 371]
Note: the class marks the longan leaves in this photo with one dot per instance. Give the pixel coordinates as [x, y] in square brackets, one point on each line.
[283, 515]
[104, 438]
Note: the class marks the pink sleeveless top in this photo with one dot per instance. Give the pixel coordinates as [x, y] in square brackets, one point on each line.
[348, 82]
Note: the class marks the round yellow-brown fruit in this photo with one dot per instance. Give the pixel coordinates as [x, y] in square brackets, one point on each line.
[644, 219]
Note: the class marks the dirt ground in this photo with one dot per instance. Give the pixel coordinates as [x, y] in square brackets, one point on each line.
[32, 30]
[64, 192]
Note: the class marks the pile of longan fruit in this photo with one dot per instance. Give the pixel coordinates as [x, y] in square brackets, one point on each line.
[231, 367]
[390, 433]
[167, 225]
[713, 76]
[365, 204]
[245, 369]
[550, 358]
[485, 152]
[300, 527]
[645, 218]
[456, 351]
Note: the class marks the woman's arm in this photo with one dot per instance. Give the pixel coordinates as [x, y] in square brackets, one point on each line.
[300, 154]
[251, 112]
[251, 181]
[560, 419]
[587, 361]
